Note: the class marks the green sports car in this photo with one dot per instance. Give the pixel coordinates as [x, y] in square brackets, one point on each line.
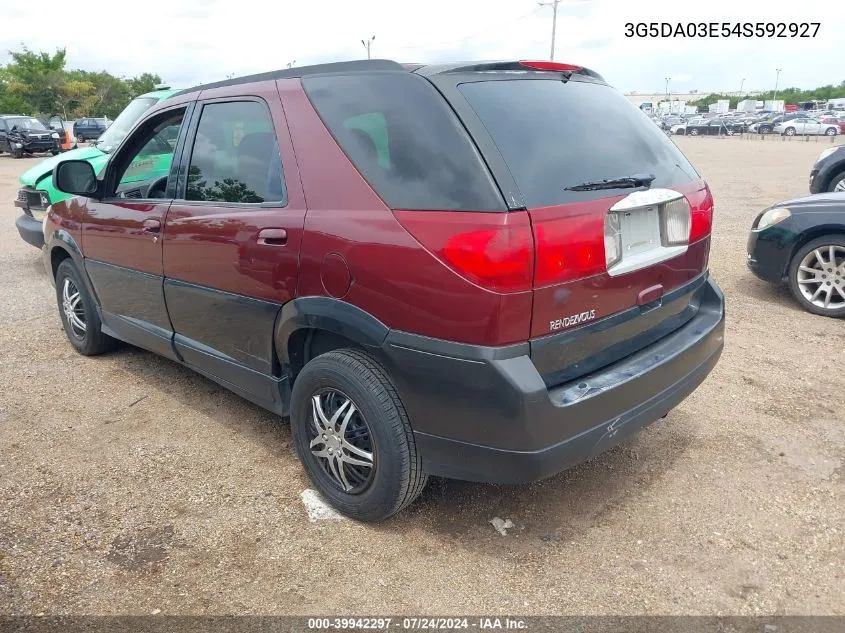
[37, 192]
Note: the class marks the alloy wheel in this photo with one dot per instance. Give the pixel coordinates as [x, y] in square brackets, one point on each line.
[821, 277]
[840, 186]
[341, 441]
[73, 308]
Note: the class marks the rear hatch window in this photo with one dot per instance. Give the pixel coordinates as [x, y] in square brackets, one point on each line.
[554, 134]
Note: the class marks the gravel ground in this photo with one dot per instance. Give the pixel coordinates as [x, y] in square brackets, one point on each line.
[129, 484]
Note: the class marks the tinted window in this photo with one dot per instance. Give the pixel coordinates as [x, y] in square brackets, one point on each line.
[554, 135]
[235, 157]
[405, 140]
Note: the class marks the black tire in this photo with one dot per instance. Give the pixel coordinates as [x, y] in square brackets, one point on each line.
[790, 131]
[837, 180]
[831, 131]
[93, 341]
[80, 138]
[833, 279]
[693, 132]
[397, 477]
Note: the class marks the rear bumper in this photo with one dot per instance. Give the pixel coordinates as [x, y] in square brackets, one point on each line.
[505, 426]
[30, 230]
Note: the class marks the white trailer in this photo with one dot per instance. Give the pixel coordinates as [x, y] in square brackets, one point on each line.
[774, 105]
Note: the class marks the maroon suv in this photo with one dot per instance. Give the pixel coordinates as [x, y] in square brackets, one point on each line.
[486, 271]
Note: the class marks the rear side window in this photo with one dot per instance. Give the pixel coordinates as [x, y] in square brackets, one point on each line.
[405, 140]
[555, 134]
[235, 157]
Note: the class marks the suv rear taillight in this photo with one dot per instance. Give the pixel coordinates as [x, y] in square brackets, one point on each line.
[701, 217]
[493, 250]
[568, 247]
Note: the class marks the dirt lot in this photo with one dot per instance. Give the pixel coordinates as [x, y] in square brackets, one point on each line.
[129, 484]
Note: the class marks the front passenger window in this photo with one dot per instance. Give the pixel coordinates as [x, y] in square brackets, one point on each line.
[143, 168]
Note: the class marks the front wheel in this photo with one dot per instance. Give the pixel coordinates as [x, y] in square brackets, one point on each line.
[837, 183]
[817, 276]
[693, 132]
[790, 131]
[353, 436]
[78, 312]
[80, 138]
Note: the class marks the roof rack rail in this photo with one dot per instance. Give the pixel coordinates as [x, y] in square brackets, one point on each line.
[302, 71]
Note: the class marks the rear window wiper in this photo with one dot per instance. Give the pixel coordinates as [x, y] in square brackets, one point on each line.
[637, 180]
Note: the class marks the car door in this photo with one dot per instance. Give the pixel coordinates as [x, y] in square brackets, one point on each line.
[812, 126]
[232, 237]
[121, 234]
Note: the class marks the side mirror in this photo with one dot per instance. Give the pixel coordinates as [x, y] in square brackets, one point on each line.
[75, 177]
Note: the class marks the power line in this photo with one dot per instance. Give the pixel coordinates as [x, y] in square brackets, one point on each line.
[474, 35]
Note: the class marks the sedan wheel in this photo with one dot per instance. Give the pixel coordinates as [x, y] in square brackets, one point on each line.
[693, 132]
[790, 131]
[831, 131]
[817, 276]
[839, 184]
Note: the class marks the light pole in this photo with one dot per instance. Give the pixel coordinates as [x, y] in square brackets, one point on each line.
[367, 43]
[667, 93]
[553, 4]
[741, 86]
[777, 77]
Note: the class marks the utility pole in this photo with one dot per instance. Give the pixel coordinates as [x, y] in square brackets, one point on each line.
[667, 92]
[553, 4]
[367, 43]
[777, 77]
[741, 86]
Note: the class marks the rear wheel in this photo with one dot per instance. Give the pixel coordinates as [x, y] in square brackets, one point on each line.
[817, 276]
[78, 312]
[831, 131]
[353, 436]
[693, 132]
[80, 138]
[837, 183]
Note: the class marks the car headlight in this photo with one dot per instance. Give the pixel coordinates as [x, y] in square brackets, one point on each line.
[826, 153]
[17, 145]
[55, 135]
[772, 216]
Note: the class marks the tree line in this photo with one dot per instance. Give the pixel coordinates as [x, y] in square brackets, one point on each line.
[39, 84]
[790, 96]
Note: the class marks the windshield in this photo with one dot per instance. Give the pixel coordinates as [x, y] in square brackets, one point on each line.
[554, 134]
[120, 127]
[25, 123]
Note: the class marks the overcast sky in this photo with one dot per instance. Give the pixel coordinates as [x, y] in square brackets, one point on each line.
[191, 41]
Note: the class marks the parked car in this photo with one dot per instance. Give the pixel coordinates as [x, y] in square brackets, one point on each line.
[828, 172]
[840, 123]
[37, 192]
[767, 126]
[90, 129]
[802, 243]
[465, 300]
[713, 127]
[806, 127]
[24, 136]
